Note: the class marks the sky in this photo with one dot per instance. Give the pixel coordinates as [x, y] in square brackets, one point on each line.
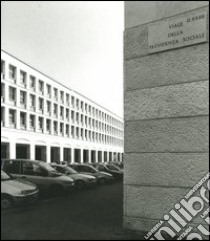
[80, 44]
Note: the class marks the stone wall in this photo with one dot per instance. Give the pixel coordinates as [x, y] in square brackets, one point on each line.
[166, 115]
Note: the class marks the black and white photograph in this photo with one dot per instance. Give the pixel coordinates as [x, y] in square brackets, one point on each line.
[105, 120]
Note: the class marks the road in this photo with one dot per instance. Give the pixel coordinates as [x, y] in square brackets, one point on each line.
[95, 214]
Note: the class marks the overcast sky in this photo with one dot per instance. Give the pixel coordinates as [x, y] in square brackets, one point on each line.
[80, 44]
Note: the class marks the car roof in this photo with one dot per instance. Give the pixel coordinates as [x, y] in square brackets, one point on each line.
[19, 159]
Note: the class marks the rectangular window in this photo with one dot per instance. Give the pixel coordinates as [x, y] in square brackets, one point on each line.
[23, 98]
[67, 130]
[32, 101]
[62, 96]
[55, 110]
[23, 120]
[32, 82]
[67, 99]
[23, 77]
[61, 128]
[41, 123]
[67, 114]
[3, 69]
[12, 94]
[41, 104]
[12, 117]
[61, 112]
[72, 101]
[48, 90]
[32, 122]
[48, 107]
[77, 104]
[72, 116]
[41, 86]
[72, 131]
[48, 125]
[55, 94]
[55, 127]
[12, 72]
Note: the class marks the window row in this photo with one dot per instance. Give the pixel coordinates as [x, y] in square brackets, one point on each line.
[43, 125]
[65, 98]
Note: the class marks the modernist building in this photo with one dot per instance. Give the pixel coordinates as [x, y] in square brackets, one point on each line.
[44, 120]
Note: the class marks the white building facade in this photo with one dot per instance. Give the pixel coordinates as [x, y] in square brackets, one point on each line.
[42, 119]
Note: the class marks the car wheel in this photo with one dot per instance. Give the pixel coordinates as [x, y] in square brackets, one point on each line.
[102, 181]
[80, 185]
[6, 202]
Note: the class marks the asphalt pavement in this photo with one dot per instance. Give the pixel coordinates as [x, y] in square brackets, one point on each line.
[95, 214]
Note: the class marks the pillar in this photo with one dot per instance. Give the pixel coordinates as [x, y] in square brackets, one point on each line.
[166, 107]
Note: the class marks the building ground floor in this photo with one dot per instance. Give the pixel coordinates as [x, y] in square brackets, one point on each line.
[19, 144]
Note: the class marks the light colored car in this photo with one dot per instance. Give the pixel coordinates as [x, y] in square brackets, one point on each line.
[102, 177]
[81, 180]
[15, 191]
[39, 173]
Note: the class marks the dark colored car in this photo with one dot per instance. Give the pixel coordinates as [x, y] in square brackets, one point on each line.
[81, 180]
[115, 171]
[102, 177]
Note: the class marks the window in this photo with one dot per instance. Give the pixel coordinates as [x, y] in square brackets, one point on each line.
[48, 125]
[41, 123]
[48, 90]
[62, 96]
[72, 116]
[12, 94]
[61, 112]
[41, 104]
[22, 98]
[55, 94]
[72, 131]
[41, 86]
[48, 107]
[32, 101]
[82, 119]
[55, 127]
[32, 169]
[23, 77]
[55, 110]
[32, 82]
[82, 106]
[12, 72]
[72, 101]
[12, 167]
[67, 114]
[77, 117]
[77, 132]
[67, 99]
[12, 117]
[67, 130]
[23, 120]
[77, 104]
[81, 133]
[3, 69]
[61, 128]
[32, 121]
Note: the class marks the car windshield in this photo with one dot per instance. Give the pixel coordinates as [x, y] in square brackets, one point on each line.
[5, 177]
[69, 170]
[113, 168]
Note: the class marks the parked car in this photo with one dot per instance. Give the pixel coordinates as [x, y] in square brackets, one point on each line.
[102, 177]
[16, 191]
[81, 180]
[115, 171]
[39, 173]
